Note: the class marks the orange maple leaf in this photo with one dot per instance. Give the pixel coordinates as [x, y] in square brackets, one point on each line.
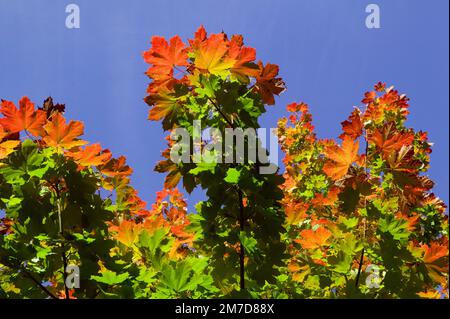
[314, 239]
[296, 212]
[164, 103]
[211, 55]
[90, 155]
[165, 57]
[297, 107]
[352, 127]
[389, 140]
[6, 147]
[152, 223]
[244, 57]
[326, 200]
[369, 97]
[116, 167]
[128, 232]
[436, 260]
[340, 158]
[434, 252]
[60, 134]
[430, 294]
[380, 87]
[23, 119]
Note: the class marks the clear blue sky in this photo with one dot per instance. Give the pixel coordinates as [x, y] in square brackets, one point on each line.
[326, 54]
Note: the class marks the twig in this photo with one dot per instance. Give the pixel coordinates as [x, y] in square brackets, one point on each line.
[359, 268]
[241, 252]
[361, 260]
[61, 232]
[28, 275]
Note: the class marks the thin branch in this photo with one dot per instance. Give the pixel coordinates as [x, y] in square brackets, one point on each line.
[221, 113]
[242, 251]
[28, 275]
[359, 268]
[61, 232]
[43, 288]
[361, 260]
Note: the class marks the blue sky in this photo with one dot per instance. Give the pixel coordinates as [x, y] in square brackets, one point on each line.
[327, 57]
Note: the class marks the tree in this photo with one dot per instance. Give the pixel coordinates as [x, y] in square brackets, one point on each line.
[65, 204]
[216, 82]
[348, 218]
[363, 223]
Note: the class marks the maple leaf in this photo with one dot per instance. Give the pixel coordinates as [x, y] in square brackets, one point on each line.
[380, 87]
[369, 97]
[199, 36]
[127, 196]
[173, 177]
[297, 107]
[165, 57]
[6, 226]
[411, 220]
[296, 212]
[154, 226]
[340, 158]
[298, 272]
[314, 239]
[128, 232]
[23, 119]
[211, 55]
[6, 147]
[434, 252]
[328, 200]
[436, 260]
[430, 294]
[403, 161]
[267, 84]
[116, 167]
[243, 57]
[352, 127]
[91, 155]
[164, 103]
[60, 134]
[49, 107]
[389, 139]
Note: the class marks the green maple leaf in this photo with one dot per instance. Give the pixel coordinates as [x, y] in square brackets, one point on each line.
[111, 278]
[232, 176]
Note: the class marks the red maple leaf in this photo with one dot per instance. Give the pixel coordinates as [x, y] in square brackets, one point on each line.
[352, 127]
[267, 83]
[389, 139]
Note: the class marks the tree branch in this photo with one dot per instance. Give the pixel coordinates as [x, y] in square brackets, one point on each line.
[242, 251]
[61, 232]
[221, 113]
[361, 260]
[28, 275]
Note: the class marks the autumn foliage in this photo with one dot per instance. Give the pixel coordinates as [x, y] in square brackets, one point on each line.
[353, 217]
[363, 201]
